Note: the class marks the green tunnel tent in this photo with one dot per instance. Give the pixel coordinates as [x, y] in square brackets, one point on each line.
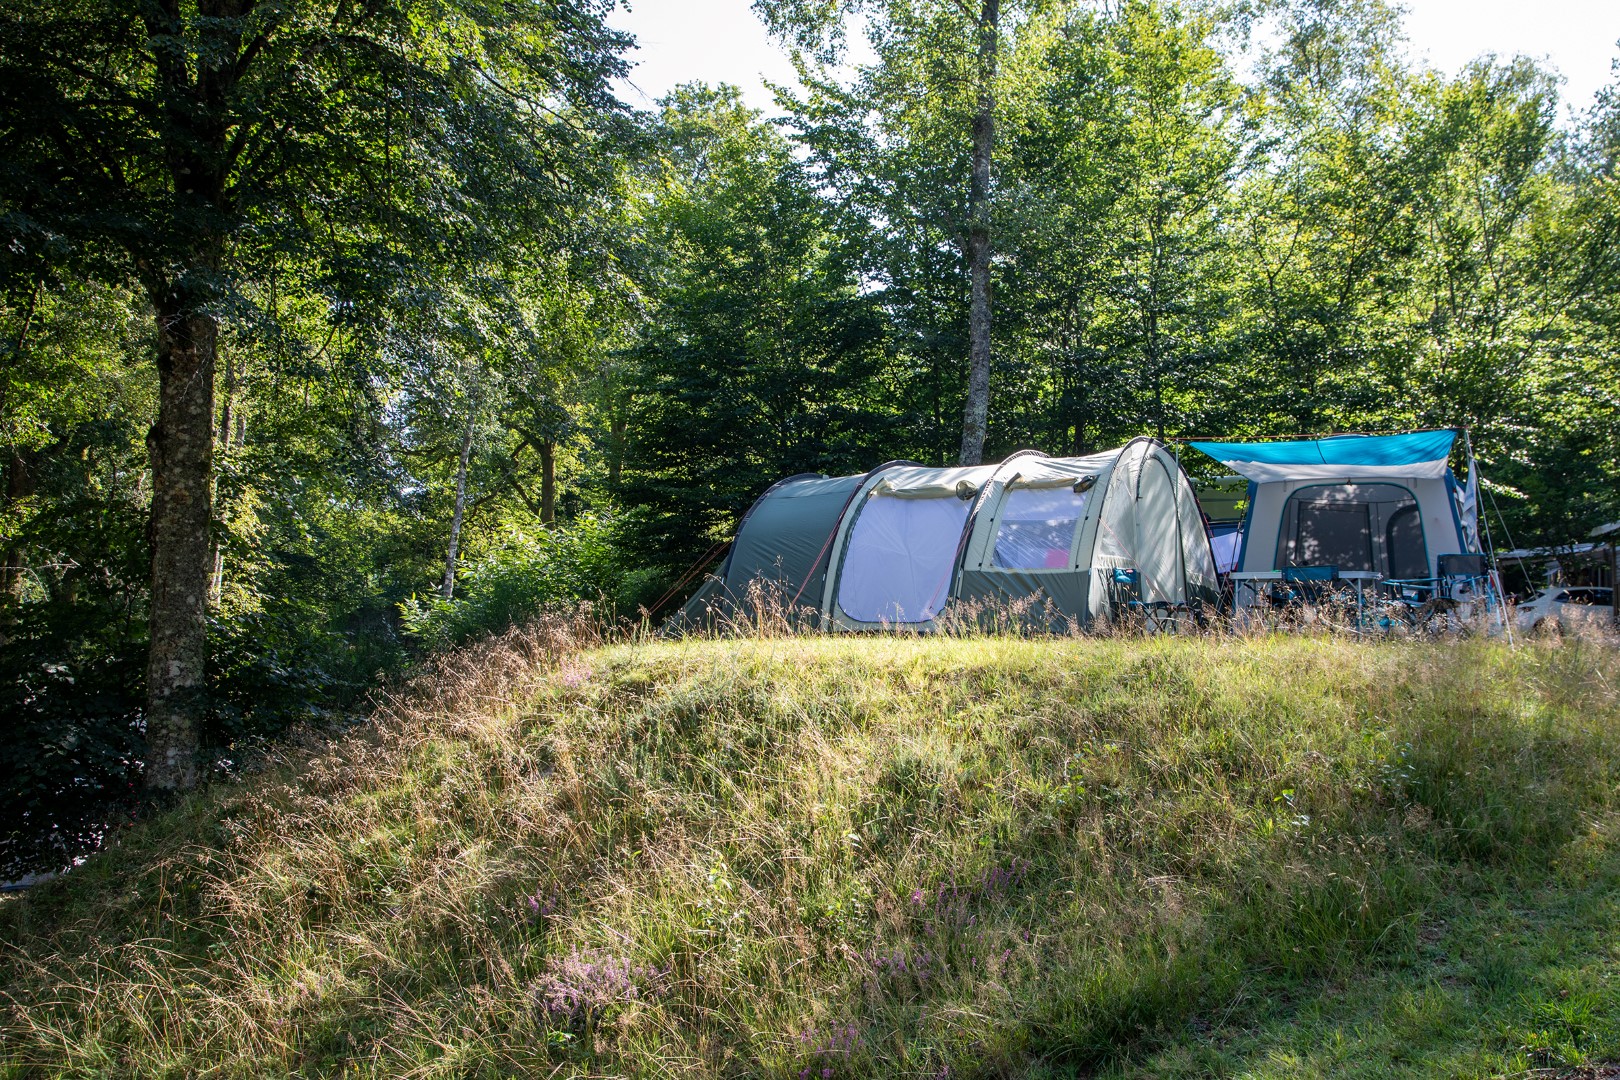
[894, 546]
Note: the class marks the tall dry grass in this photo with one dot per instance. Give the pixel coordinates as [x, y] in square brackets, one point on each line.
[793, 855]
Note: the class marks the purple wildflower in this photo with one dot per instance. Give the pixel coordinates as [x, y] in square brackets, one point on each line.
[541, 904]
[824, 1048]
[583, 984]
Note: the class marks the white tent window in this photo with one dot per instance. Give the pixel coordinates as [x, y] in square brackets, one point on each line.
[900, 557]
[1036, 530]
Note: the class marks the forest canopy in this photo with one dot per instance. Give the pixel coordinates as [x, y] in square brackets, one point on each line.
[331, 334]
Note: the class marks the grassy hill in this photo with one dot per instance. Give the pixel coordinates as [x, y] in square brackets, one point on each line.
[861, 857]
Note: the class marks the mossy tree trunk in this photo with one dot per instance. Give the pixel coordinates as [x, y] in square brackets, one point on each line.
[181, 445]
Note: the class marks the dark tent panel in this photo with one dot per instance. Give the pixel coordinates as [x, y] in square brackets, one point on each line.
[786, 538]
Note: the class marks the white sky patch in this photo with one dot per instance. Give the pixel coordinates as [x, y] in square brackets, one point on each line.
[719, 41]
[712, 41]
[1577, 37]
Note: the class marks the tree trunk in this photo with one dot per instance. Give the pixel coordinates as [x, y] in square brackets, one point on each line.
[448, 589]
[975, 416]
[1155, 368]
[548, 484]
[181, 445]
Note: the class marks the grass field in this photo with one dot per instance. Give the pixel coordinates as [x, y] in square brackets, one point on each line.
[877, 856]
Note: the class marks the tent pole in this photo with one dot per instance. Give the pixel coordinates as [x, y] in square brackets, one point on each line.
[1614, 587]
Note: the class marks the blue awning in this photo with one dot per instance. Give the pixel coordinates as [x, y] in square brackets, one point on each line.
[1421, 454]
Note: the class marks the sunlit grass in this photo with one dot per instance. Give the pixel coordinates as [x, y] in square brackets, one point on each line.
[875, 856]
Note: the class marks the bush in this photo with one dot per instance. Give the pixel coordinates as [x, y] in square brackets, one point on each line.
[271, 671]
[580, 560]
[71, 690]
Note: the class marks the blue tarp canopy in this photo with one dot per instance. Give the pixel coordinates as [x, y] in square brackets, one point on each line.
[1340, 457]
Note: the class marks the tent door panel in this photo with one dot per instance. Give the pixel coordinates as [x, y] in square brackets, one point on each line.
[1362, 527]
[1158, 535]
[900, 558]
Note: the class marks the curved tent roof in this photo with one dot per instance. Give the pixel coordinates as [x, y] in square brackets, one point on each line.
[782, 539]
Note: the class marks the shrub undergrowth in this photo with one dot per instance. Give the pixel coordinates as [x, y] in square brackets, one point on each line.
[525, 575]
[831, 857]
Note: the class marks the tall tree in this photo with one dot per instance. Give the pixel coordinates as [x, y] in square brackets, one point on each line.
[934, 82]
[1326, 220]
[976, 413]
[181, 137]
[759, 356]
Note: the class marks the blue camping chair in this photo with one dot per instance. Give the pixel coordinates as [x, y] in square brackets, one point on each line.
[1127, 592]
[1462, 573]
[1302, 585]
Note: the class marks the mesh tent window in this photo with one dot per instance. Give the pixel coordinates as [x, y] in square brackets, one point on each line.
[1036, 528]
[1359, 527]
[1403, 543]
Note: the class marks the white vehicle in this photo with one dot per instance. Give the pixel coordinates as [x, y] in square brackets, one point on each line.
[1567, 609]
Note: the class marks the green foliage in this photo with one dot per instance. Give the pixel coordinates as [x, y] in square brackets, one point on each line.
[1337, 242]
[761, 358]
[524, 574]
[71, 681]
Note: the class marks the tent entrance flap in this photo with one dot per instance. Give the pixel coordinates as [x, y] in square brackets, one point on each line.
[900, 558]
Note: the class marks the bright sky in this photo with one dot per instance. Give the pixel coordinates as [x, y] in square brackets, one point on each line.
[723, 41]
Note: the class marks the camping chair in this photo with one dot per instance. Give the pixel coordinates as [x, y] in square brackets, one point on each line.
[1304, 586]
[1462, 574]
[1442, 604]
[1155, 615]
[1462, 589]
